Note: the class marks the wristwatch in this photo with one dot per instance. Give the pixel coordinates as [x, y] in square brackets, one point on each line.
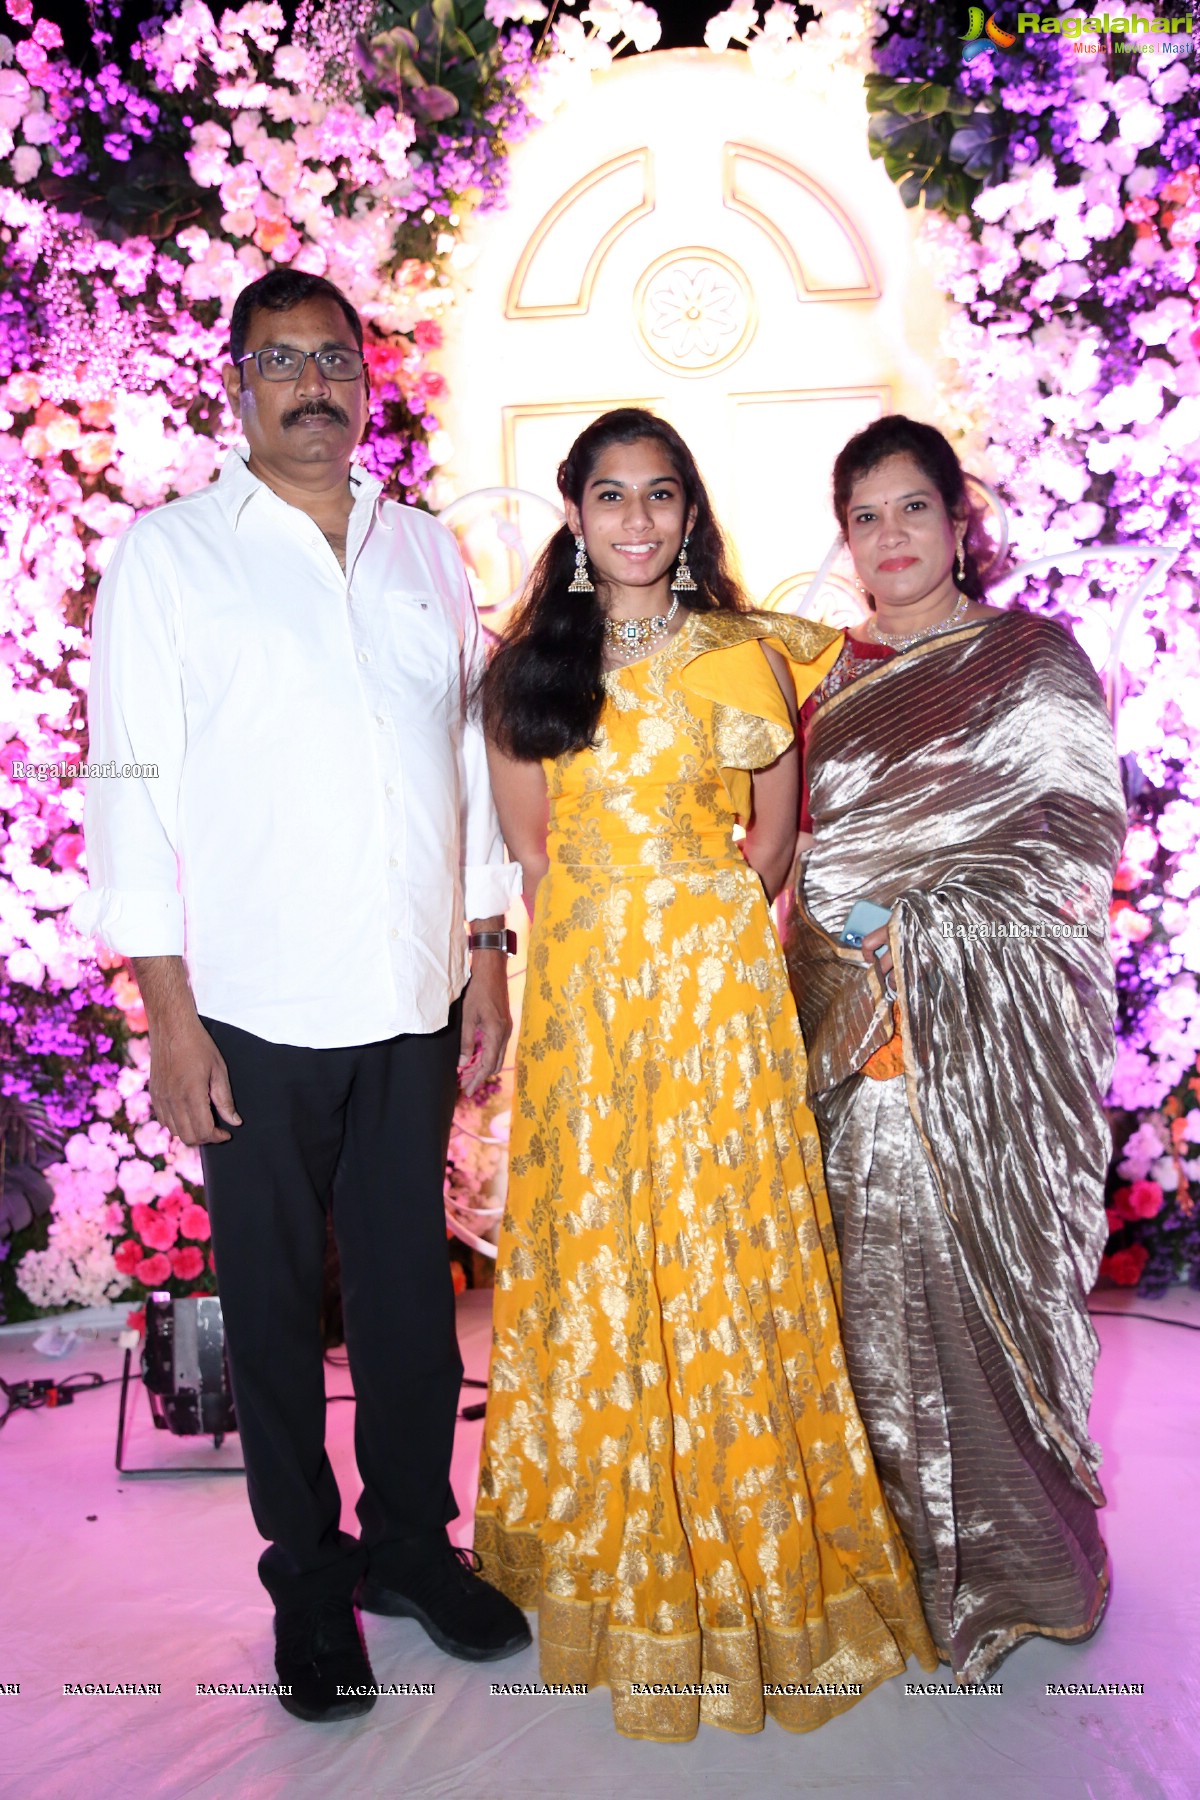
[493, 940]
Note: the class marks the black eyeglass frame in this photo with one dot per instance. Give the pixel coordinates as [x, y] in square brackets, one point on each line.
[316, 355]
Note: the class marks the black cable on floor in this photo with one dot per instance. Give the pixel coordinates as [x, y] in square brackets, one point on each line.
[35, 1396]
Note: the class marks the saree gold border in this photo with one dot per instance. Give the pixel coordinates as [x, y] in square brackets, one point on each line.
[905, 660]
[857, 1645]
[1052, 1425]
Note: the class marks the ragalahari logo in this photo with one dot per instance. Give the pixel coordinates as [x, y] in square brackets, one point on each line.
[982, 32]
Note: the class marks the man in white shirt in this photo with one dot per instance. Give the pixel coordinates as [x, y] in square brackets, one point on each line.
[293, 656]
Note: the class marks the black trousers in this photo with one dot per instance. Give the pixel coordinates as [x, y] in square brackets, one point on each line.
[364, 1130]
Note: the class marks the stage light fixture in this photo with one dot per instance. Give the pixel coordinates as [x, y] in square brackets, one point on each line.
[186, 1377]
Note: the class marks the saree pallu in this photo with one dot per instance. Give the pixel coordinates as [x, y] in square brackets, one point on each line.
[970, 786]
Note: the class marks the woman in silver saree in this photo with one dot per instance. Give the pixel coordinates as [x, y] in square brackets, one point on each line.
[961, 775]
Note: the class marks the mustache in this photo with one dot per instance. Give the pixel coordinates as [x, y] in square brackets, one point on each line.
[315, 409]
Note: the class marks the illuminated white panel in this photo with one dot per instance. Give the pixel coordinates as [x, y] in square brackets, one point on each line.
[558, 267]
[824, 252]
[783, 521]
[713, 304]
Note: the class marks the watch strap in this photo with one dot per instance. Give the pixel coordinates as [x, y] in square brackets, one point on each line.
[493, 940]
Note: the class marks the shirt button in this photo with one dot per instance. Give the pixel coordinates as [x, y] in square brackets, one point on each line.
[363, 657]
[395, 933]
[390, 792]
[379, 719]
[393, 862]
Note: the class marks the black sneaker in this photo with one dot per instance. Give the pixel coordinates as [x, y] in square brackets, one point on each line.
[462, 1614]
[319, 1655]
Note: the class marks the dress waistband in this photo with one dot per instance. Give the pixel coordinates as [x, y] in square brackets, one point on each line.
[626, 860]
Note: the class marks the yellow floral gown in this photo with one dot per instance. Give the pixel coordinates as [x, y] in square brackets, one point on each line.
[674, 1473]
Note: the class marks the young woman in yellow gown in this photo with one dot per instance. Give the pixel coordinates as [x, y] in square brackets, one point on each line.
[675, 1475]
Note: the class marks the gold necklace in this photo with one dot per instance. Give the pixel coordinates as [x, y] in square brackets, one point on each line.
[629, 637]
[903, 640]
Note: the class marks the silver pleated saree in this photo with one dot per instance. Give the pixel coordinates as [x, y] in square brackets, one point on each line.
[970, 786]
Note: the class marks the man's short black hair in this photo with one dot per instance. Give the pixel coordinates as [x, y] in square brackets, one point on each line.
[278, 291]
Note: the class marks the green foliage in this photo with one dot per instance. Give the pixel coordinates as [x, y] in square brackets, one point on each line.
[151, 195]
[936, 144]
[435, 58]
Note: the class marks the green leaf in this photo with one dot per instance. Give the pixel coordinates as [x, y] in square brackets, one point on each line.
[908, 100]
[887, 128]
[434, 103]
[881, 94]
[934, 99]
[959, 193]
[910, 188]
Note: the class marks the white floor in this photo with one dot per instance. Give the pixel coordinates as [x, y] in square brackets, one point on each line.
[154, 1581]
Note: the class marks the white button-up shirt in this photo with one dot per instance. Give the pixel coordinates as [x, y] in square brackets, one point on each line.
[318, 823]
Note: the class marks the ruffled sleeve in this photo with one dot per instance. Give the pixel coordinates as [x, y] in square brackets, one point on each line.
[726, 665]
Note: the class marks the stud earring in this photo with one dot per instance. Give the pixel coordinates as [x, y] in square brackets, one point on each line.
[684, 582]
[582, 584]
[960, 566]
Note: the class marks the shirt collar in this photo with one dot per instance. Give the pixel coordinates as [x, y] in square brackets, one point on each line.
[236, 486]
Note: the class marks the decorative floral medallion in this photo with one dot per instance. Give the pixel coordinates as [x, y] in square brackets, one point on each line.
[694, 311]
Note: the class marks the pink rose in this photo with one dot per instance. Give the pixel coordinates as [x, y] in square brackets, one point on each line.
[136, 1320]
[1140, 1200]
[152, 1271]
[193, 1222]
[127, 1256]
[14, 751]
[68, 849]
[175, 1200]
[142, 1216]
[160, 1233]
[1125, 1266]
[187, 1263]
[428, 335]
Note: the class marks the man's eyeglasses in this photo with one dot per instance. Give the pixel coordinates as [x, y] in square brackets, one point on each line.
[280, 364]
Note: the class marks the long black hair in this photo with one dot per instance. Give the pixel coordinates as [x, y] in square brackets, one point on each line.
[543, 690]
[896, 435]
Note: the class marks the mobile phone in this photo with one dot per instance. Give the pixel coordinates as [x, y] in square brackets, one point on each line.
[864, 917]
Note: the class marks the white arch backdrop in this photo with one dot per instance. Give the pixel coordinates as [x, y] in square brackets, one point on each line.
[723, 250]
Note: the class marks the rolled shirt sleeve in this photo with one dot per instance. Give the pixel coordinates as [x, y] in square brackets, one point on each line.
[490, 884]
[135, 717]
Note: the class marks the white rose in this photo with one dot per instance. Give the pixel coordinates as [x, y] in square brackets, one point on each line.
[1090, 120]
[1142, 125]
[38, 127]
[1101, 222]
[994, 202]
[1173, 82]
[1127, 92]
[1087, 519]
[1142, 181]
[25, 163]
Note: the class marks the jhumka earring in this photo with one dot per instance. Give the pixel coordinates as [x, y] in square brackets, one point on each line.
[960, 566]
[684, 582]
[582, 583]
